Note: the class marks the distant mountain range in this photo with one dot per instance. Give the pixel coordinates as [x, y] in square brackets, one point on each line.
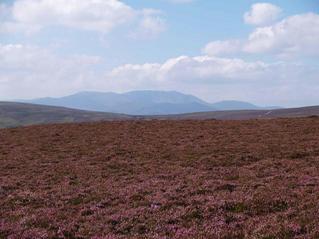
[142, 103]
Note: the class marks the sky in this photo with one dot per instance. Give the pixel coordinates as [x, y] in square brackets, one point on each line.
[266, 53]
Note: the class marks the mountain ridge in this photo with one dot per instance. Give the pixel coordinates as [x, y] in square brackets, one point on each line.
[144, 102]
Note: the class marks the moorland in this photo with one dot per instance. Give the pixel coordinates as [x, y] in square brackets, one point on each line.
[161, 179]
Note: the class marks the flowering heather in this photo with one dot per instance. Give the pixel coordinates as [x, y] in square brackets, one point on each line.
[161, 179]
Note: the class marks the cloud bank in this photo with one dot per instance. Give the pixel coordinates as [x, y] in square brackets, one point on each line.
[31, 16]
[47, 73]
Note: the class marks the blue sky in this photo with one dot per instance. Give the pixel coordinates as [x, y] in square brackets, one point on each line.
[206, 48]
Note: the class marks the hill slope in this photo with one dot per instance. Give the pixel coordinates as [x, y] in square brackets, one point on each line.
[249, 114]
[20, 114]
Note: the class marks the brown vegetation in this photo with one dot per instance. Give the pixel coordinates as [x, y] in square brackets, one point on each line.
[161, 179]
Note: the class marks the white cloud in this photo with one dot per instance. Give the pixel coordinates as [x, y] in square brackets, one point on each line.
[191, 70]
[295, 35]
[17, 57]
[92, 15]
[222, 48]
[262, 14]
[150, 25]
[28, 70]
[4, 11]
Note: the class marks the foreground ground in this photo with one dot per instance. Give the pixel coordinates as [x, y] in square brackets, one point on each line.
[161, 179]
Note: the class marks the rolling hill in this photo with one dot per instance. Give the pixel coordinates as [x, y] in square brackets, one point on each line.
[249, 114]
[21, 114]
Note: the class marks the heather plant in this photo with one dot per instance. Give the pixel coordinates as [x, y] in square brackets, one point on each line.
[161, 179]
